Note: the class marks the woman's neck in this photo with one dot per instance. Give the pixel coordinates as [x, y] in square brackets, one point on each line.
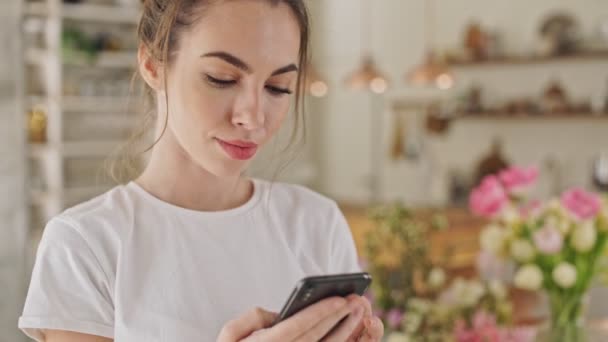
[174, 178]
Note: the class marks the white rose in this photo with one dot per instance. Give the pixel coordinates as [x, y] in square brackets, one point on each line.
[529, 277]
[492, 239]
[497, 289]
[436, 278]
[564, 275]
[397, 337]
[584, 237]
[472, 293]
[510, 215]
[522, 250]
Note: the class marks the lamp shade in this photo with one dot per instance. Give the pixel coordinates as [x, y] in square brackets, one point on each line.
[367, 77]
[431, 72]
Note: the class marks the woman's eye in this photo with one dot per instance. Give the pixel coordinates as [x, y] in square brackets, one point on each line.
[216, 82]
[278, 91]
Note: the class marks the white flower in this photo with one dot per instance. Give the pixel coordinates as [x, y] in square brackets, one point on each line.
[412, 322]
[510, 215]
[497, 289]
[436, 278]
[462, 293]
[468, 293]
[529, 277]
[584, 237]
[564, 275]
[522, 250]
[397, 337]
[492, 239]
[419, 305]
[561, 223]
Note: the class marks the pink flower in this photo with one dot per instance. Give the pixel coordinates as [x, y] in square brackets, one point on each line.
[489, 198]
[484, 329]
[483, 319]
[517, 179]
[548, 240]
[582, 204]
[519, 334]
[394, 318]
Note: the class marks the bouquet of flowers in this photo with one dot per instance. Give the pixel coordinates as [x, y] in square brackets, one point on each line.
[409, 290]
[396, 255]
[558, 246]
[466, 311]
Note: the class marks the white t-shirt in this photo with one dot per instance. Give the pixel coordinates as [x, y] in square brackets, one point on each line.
[128, 266]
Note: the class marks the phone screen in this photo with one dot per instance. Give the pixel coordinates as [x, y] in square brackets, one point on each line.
[313, 289]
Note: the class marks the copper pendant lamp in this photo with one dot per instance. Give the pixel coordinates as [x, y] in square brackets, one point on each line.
[367, 76]
[431, 71]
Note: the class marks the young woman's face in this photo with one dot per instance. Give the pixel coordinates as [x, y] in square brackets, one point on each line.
[229, 87]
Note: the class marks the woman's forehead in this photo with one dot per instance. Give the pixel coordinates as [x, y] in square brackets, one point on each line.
[252, 30]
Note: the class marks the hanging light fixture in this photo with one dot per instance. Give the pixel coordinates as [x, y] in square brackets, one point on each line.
[432, 71]
[367, 76]
[315, 85]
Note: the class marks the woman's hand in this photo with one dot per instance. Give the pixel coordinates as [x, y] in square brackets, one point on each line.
[315, 323]
[321, 321]
[370, 328]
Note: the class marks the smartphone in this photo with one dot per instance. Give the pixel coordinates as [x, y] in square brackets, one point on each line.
[313, 289]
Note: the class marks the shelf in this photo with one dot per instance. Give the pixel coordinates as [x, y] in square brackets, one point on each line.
[74, 149]
[531, 60]
[532, 117]
[88, 12]
[107, 59]
[85, 104]
[95, 104]
[104, 59]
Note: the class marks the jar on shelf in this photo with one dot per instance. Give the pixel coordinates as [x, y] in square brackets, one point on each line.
[37, 123]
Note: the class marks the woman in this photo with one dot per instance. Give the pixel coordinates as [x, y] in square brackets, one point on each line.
[182, 251]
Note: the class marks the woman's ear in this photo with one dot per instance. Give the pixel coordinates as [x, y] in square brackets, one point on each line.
[150, 69]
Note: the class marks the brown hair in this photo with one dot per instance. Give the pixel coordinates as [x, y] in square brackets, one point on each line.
[159, 31]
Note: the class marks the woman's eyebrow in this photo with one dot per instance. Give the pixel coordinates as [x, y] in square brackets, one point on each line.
[237, 62]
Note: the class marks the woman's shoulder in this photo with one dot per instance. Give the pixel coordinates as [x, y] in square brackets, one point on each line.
[290, 195]
[104, 214]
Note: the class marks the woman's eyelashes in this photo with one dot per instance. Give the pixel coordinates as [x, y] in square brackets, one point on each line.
[225, 83]
[219, 83]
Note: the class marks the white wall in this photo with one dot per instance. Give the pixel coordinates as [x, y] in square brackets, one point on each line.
[397, 31]
[12, 175]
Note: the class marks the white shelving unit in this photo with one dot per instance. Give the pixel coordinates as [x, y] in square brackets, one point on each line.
[52, 158]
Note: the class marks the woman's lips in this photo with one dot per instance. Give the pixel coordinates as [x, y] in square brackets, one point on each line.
[238, 149]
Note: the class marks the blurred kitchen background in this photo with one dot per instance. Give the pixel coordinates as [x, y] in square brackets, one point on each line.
[408, 100]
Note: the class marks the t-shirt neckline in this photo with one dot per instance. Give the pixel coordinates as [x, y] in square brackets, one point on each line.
[251, 202]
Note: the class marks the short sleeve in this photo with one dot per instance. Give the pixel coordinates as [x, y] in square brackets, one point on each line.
[68, 289]
[343, 253]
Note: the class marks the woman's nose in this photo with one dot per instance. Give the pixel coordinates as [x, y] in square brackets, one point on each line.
[248, 111]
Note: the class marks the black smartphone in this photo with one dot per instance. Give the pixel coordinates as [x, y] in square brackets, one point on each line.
[313, 289]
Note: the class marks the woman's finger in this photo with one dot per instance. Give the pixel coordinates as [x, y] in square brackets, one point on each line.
[326, 325]
[307, 319]
[344, 330]
[374, 329]
[246, 324]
